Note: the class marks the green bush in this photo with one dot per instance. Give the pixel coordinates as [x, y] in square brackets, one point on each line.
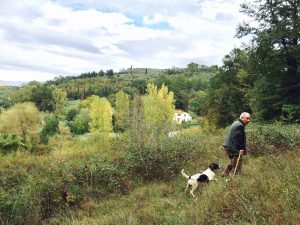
[50, 128]
[152, 163]
[80, 124]
[10, 142]
[264, 139]
[97, 167]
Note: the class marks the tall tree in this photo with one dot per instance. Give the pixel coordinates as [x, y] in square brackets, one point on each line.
[100, 114]
[59, 97]
[274, 54]
[228, 88]
[42, 96]
[121, 110]
[158, 111]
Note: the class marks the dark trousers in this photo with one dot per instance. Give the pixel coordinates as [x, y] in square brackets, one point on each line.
[231, 166]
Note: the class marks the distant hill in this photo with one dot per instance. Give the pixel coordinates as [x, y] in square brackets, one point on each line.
[11, 83]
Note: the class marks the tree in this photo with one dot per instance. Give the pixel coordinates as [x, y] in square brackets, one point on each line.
[59, 97]
[24, 93]
[42, 96]
[5, 101]
[100, 112]
[137, 127]
[274, 54]
[109, 73]
[22, 119]
[121, 110]
[158, 111]
[50, 127]
[227, 90]
[81, 122]
[198, 103]
[193, 67]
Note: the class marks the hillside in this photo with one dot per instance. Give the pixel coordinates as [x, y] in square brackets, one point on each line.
[95, 179]
[263, 194]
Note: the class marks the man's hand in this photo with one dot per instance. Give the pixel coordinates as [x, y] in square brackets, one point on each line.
[241, 151]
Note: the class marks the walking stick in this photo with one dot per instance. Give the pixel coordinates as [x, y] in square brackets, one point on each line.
[237, 163]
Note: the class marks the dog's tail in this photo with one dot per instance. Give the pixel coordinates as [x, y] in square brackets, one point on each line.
[184, 174]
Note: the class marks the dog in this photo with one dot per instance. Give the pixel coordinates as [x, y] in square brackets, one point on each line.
[202, 177]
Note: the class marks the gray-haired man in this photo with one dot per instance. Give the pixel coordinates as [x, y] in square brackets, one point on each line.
[235, 143]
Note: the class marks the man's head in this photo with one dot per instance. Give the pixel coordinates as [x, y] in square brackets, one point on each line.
[245, 117]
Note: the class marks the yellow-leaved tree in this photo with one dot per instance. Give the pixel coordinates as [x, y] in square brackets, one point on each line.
[158, 111]
[59, 97]
[100, 113]
[22, 120]
[121, 110]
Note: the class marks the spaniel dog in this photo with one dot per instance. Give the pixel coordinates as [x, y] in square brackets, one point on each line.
[202, 177]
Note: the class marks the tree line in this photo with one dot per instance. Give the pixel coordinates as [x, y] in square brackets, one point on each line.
[262, 77]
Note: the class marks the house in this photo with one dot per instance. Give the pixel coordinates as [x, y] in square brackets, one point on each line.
[181, 116]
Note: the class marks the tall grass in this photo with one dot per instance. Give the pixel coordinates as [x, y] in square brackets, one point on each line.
[96, 179]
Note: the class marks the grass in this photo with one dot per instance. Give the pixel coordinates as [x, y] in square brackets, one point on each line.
[267, 192]
[99, 180]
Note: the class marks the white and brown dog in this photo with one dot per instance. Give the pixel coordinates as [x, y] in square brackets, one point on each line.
[202, 177]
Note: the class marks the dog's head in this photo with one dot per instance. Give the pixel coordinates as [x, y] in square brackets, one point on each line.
[214, 166]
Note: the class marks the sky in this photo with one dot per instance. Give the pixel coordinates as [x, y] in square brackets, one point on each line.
[44, 39]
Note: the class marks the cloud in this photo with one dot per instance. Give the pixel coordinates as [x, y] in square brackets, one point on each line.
[43, 39]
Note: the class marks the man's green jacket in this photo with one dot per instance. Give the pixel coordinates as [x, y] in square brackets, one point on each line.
[236, 138]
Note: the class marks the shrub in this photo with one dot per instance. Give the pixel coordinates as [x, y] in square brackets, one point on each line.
[264, 139]
[49, 129]
[71, 114]
[80, 125]
[10, 142]
[152, 163]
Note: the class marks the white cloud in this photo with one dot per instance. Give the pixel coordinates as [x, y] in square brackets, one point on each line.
[43, 39]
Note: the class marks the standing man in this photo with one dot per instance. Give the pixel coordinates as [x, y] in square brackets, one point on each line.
[235, 143]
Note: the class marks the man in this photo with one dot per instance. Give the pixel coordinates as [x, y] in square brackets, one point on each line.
[235, 143]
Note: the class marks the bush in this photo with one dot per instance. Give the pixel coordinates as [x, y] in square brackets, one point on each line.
[10, 142]
[264, 139]
[153, 163]
[49, 129]
[80, 125]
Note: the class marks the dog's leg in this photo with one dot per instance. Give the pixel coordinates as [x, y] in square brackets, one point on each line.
[194, 188]
[187, 188]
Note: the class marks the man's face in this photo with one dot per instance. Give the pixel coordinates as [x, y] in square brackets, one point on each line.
[246, 119]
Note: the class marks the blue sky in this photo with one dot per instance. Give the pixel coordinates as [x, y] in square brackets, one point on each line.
[40, 39]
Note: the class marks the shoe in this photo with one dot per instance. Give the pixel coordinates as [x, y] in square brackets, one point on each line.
[225, 173]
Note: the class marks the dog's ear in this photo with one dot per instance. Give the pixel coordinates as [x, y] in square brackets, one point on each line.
[214, 166]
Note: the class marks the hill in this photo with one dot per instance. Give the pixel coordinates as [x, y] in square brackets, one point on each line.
[104, 180]
[11, 83]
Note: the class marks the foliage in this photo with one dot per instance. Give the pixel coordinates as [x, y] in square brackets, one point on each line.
[272, 138]
[71, 114]
[100, 112]
[291, 113]
[22, 119]
[50, 127]
[94, 175]
[59, 97]
[274, 55]
[227, 90]
[5, 101]
[42, 96]
[198, 104]
[121, 111]
[158, 111]
[24, 93]
[10, 142]
[80, 124]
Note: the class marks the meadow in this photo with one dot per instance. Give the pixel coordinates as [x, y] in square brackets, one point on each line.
[100, 179]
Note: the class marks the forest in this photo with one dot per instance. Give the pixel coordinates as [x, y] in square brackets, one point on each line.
[75, 148]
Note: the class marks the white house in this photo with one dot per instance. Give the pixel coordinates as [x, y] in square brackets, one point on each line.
[181, 116]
